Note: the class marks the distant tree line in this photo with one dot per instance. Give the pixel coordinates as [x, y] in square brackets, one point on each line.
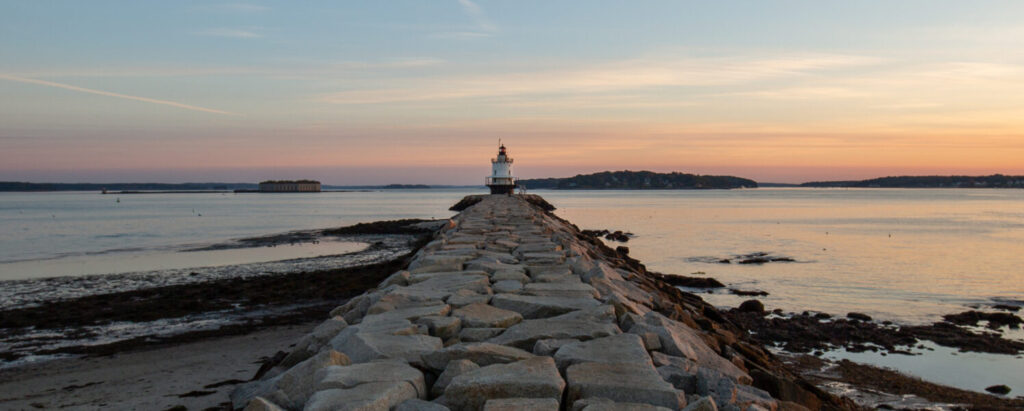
[639, 180]
[23, 186]
[992, 181]
[290, 182]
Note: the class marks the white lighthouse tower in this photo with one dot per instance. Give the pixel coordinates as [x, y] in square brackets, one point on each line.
[501, 180]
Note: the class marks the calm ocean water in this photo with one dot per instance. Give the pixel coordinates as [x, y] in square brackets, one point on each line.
[906, 255]
[903, 255]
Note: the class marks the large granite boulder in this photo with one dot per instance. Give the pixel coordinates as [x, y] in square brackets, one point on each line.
[333, 377]
[363, 397]
[680, 340]
[532, 306]
[621, 348]
[291, 388]
[481, 353]
[443, 327]
[604, 404]
[561, 290]
[595, 322]
[622, 382]
[455, 368]
[486, 316]
[417, 404]
[364, 347]
[311, 343]
[531, 378]
[522, 404]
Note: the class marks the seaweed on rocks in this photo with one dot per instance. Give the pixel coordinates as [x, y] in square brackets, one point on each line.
[808, 332]
[413, 226]
[290, 298]
[889, 384]
[994, 320]
[466, 202]
[689, 282]
[748, 293]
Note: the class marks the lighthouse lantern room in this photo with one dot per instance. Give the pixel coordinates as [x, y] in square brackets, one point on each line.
[501, 180]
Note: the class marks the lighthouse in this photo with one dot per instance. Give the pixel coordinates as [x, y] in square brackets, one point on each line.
[501, 180]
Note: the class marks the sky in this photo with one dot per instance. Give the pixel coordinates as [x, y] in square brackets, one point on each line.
[378, 92]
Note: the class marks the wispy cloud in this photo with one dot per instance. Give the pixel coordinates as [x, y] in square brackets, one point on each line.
[227, 32]
[803, 93]
[112, 94]
[477, 15]
[482, 26]
[634, 74]
[305, 69]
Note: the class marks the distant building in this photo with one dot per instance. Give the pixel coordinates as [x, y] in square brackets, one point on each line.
[290, 186]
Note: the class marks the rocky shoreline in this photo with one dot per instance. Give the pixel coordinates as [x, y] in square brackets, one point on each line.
[511, 307]
[209, 305]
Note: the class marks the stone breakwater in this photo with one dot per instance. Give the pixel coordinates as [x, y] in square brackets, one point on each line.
[510, 307]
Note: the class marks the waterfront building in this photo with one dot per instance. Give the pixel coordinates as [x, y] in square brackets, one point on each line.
[501, 180]
[290, 186]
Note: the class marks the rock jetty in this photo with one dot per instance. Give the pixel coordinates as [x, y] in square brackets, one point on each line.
[512, 308]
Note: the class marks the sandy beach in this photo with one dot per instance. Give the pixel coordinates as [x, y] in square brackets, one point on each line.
[196, 375]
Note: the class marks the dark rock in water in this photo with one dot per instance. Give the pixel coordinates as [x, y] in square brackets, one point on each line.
[998, 389]
[745, 293]
[858, 316]
[725, 261]
[805, 333]
[1005, 307]
[995, 320]
[752, 306]
[684, 281]
[761, 258]
[822, 316]
[622, 249]
[617, 236]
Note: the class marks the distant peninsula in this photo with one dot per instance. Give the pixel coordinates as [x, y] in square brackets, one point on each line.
[23, 186]
[992, 181]
[639, 180]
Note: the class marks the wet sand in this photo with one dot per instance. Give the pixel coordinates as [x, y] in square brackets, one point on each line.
[197, 375]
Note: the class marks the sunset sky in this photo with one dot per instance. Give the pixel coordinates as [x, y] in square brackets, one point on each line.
[373, 92]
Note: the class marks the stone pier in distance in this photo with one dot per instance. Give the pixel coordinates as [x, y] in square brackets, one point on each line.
[511, 308]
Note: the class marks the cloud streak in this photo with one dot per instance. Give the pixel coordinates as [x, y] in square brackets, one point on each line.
[483, 27]
[637, 74]
[112, 94]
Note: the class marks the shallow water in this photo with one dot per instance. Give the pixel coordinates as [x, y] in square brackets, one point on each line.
[943, 365]
[78, 233]
[161, 259]
[903, 255]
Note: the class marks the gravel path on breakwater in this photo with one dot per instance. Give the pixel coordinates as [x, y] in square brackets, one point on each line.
[510, 307]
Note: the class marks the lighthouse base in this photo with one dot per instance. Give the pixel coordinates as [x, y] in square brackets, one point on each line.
[502, 189]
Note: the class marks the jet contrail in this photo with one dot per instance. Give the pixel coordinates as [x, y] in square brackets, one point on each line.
[110, 94]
